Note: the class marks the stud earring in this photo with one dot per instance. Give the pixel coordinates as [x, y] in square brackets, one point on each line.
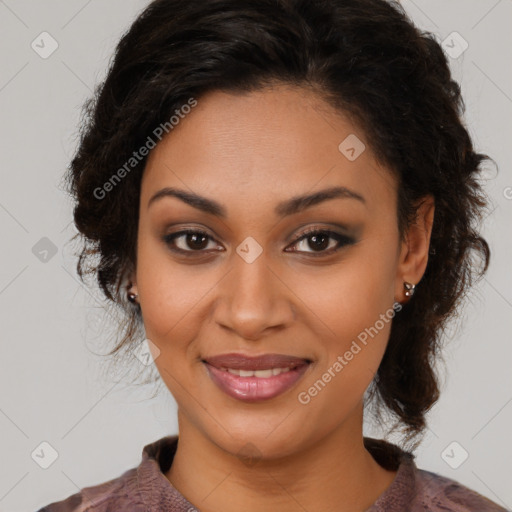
[132, 297]
[409, 287]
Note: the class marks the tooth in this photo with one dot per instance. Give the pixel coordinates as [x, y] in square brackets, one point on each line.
[263, 373]
[277, 371]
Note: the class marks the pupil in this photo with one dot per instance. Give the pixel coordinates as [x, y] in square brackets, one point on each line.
[192, 237]
[317, 245]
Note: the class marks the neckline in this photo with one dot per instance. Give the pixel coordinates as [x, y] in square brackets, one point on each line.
[158, 455]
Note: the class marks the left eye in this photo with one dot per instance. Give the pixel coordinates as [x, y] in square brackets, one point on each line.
[320, 241]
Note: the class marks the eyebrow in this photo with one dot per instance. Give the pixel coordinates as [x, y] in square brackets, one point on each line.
[283, 209]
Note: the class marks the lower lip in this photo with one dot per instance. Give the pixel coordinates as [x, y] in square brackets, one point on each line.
[254, 389]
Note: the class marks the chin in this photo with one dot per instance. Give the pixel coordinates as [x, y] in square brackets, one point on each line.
[258, 439]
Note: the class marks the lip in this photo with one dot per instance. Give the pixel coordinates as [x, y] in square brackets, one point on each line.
[255, 389]
[262, 362]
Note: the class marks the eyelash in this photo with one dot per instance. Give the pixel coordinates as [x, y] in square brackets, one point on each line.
[342, 240]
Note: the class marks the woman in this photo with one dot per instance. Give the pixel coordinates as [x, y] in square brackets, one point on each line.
[282, 194]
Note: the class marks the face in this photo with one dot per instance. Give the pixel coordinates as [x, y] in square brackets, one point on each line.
[260, 273]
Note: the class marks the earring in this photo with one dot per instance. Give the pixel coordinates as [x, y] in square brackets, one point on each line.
[132, 296]
[409, 287]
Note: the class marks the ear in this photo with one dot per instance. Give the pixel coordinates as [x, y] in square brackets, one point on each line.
[414, 249]
[131, 281]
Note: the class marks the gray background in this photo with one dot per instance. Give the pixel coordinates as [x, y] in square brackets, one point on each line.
[52, 387]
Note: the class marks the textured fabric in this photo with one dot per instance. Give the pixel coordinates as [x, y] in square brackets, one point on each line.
[146, 489]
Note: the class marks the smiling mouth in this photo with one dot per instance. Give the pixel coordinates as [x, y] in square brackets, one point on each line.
[253, 379]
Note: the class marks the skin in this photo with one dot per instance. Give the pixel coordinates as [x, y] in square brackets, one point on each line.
[249, 152]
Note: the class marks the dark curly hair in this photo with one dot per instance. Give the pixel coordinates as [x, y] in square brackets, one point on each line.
[367, 60]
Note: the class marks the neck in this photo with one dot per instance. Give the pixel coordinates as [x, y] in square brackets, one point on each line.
[338, 464]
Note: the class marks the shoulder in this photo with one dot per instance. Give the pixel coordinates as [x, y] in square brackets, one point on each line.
[419, 490]
[116, 494]
[138, 489]
[437, 493]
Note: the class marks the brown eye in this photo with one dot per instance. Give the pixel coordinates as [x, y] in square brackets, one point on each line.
[190, 240]
[318, 240]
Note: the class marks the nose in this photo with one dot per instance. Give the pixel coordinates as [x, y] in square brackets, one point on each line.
[254, 300]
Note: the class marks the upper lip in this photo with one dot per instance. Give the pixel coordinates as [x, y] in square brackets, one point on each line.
[262, 362]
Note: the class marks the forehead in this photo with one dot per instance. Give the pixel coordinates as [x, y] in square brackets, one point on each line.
[263, 146]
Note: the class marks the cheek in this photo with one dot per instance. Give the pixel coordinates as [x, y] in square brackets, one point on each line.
[169, 299]
[168, 293]
[351, 295]
[351, 308]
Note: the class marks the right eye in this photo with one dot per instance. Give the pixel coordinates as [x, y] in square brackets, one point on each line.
[194, 239]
